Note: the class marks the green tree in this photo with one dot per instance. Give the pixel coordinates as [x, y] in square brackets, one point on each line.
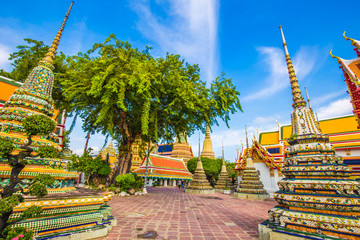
[123, 91]
[212, 167]
[10, 197]
[230, 168]
[89, 165]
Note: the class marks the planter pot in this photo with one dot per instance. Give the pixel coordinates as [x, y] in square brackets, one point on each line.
[227, 191]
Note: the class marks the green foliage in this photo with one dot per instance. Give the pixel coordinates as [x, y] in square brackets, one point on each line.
[139, 181]
[47, 152]
[38, 189]
[18, 233]
[212, 167]
[32, 211]
[8, 203]
[125, 181]
[6, 147]
[230, 168]
[105, 170]
[38, 125]
[89, 165]
[126, 92]
[45, 179]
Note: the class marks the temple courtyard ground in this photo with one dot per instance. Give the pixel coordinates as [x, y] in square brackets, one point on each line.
[170, 213]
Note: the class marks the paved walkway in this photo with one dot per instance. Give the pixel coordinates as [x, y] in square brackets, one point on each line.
[174, 214]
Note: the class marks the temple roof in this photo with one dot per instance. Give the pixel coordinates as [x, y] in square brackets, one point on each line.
[164, 167]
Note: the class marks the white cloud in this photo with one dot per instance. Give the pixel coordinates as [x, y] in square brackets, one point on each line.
[273, 59]
[80, 151]
[328, 97]
[336, 108]
[189, 29]
[4, 56]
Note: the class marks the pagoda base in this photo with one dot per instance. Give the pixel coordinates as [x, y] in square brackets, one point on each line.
[251, 196]
[200, 191]
[266, 233]
[85, 234]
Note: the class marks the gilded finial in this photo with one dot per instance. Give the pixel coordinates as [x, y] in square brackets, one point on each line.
[247, 144]
[50, 56]
[308, 99]
[296, 92]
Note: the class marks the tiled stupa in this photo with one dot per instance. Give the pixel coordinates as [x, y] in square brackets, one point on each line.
[199, 182]
[66, 211]
[181, 148]
[223, 180]
[317, 199]
[250, 187]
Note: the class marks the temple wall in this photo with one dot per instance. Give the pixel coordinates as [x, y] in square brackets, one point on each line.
[270, 182]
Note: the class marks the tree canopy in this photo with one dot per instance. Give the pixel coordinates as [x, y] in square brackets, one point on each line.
[212, 167]
[126, 92]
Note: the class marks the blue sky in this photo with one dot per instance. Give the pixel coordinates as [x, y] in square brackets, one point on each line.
[240, 38]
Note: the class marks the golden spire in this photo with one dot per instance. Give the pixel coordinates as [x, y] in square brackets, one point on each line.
[199, 163]
[50, 56]
[297, 97]
[207, 146]
[199, 148]
[247, 144]
[249, 161]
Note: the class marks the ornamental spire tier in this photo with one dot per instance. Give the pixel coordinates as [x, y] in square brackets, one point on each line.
[250, 187]
[199, 183]
[223, 180]
[302, 120]
[317, 199]
[207, 147]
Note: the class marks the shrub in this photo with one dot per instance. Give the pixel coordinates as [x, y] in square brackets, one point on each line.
[126, 181]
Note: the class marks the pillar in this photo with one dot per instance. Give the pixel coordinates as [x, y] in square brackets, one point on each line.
[165, 182]
[174, 182]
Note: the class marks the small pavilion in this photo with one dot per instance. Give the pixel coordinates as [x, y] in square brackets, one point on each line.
[166, 170]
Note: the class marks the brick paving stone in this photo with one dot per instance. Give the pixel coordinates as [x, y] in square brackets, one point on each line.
[174, 214]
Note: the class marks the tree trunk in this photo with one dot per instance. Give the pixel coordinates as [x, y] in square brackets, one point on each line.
[124, 161]
[3, 221]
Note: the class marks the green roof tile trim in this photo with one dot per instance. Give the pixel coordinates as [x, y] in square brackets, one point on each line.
[10, 81]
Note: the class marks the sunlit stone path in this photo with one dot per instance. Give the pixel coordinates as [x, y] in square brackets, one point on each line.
[170, 213]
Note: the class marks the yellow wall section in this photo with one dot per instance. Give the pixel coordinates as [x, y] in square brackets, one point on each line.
[6, 91]
[345, 124]
[269, 138]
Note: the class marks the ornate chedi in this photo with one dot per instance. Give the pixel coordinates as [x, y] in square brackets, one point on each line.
[207, 146]
[250, 187]
[223, 180]
[65, 212]
[181, 148]
[199, 183]
[317, 199]
[109, 153]
[351, 71]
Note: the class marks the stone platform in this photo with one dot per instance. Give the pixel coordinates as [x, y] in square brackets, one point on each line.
[200, 191]
[266, 233]
[251, 196]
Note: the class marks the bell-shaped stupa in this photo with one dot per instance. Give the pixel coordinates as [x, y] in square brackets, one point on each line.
[223, 181]
[250, 187]
[199, 182]
[317, 199]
